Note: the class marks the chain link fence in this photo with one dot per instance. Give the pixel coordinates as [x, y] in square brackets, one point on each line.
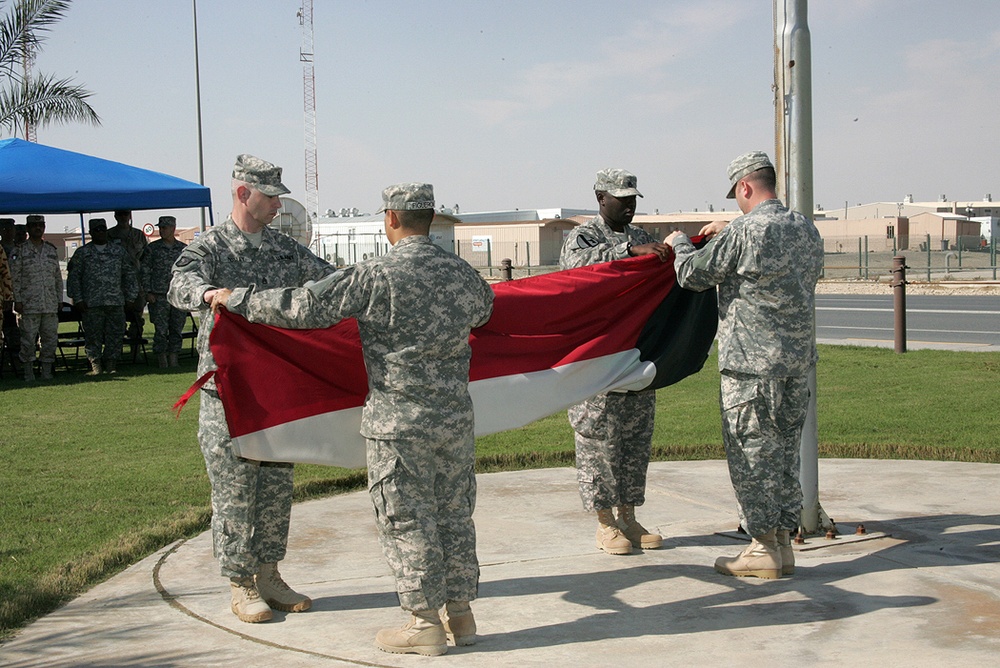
[928, 258]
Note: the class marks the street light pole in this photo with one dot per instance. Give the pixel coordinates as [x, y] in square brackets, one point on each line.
[197, 89]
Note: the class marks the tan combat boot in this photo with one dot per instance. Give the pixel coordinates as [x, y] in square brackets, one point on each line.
[277, 593]
[247, 603]
[111, 366]
[29, 372]
[423, 634]
[161, 360]
[609, 536]
[784, 538]
[173, 360]
[635, 532]
[46, 370]
[95, 368]
[762, 559]
[459, 624]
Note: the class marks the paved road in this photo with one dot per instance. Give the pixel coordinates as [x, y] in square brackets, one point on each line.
[932, 321]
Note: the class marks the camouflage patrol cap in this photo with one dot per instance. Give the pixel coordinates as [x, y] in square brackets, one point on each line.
[97, 223]
[260, 174]
[34, 218]
[617, 183]
[166, 221]
[408, 197]
[746, 164]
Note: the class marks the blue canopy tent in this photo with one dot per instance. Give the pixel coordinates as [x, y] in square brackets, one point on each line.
[41, 179]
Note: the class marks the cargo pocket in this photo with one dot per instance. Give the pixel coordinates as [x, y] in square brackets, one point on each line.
[588, 418]
[383, 488]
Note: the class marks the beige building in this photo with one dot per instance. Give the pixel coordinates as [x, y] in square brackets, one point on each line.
[690, 223]
[880, 234]
[946, 231]
[485, 239]
[528, 243]
[909, 208]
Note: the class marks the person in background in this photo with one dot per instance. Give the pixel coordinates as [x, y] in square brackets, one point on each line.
[100, 281]
[134, 242]
[10, 337]
[38, 292]
[155, 272]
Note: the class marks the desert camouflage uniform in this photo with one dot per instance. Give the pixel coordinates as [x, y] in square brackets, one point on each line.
[38, 287]
[614, 431]
[155, 272]
[414, 307]
[251, 500]
[104, 279]
[766, 264]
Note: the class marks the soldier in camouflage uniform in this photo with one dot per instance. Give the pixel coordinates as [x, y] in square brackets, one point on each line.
[766, 264]
[251, 500]
[154, 279]
[614, 431]
[134, 242]
[38, 292]
[100, 281]
[6, 289]
[10, 336]
[415, 307]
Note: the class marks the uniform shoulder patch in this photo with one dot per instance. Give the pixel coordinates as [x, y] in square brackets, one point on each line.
[195, 249]
[583, 241]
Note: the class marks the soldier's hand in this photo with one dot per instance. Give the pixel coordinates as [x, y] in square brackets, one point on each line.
[662, 251]
[713, 228]
[150, 298]
[219, 298]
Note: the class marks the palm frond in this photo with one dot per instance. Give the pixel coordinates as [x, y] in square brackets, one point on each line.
[23, 28]
[46, 101]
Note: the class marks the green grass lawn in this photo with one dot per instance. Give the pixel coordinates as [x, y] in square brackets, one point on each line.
[97, 473]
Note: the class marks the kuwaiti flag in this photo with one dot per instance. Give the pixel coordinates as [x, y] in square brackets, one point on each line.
[553, 340]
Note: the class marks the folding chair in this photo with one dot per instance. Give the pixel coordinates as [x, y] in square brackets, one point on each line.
[73, 336]
[192, 334]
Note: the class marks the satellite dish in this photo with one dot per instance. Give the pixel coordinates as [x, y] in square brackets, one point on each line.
[293, 220]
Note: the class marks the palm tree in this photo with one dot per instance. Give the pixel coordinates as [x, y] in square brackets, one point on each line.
[29, 101]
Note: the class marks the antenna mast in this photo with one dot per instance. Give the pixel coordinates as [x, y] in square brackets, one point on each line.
[309, 95]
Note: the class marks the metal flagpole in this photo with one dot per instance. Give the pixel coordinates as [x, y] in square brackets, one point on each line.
[794, 165]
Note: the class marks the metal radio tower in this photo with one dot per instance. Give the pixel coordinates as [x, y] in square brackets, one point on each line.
[309, 91]
[28, 64]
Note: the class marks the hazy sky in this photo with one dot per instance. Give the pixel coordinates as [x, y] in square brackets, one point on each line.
[517, 103]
